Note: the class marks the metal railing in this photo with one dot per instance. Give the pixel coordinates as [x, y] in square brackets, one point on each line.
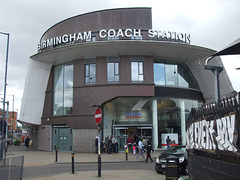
[11, 168]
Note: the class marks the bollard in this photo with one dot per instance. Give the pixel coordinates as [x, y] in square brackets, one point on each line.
[56, 154]
[126, 154]
[99, 165]
[72, 163]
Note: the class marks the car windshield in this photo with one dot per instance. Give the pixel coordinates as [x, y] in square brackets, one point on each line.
[175, 149]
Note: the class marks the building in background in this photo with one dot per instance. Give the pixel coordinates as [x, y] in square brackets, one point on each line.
[12, 121]
[145, 80]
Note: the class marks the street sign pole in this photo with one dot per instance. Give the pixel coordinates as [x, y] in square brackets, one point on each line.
[4, 96]
[99, 155]
[98, 118]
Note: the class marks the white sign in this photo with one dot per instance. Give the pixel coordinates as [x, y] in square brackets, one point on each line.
[173, 137]
[113, 34]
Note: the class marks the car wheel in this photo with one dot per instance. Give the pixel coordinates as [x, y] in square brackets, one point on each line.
[159, 172]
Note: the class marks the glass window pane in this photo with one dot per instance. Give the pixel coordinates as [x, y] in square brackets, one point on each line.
[171, 74]
[87, 70]
[134, 71]
[116, 69]
[68, 101]
[110, 71]
[58, 78]
[159, 74]
[116, 78]
[140, 68]
[58, 103]
[92, 73]
[68, 78]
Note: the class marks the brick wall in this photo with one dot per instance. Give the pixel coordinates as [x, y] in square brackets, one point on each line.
[201, 167]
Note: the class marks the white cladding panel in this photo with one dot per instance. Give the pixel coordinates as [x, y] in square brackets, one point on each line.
[34, 91]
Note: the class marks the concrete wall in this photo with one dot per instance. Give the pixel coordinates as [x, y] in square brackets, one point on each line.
[201, 167]
[84, 140]
[44, 139]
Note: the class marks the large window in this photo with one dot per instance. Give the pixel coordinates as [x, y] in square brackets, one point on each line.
[137, 71]
[63, 89]
[112, 69]
[113, 72]
[90, 71]
[173, 74]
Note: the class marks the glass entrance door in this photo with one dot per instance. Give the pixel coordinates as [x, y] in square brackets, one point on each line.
[120, 134]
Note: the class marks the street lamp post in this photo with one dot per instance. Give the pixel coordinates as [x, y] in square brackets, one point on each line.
[4, 96]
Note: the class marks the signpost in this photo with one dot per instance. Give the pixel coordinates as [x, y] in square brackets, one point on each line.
[98, 118]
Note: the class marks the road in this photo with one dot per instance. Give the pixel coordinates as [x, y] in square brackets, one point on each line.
[54, 169]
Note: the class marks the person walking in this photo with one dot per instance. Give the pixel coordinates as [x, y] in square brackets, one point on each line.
[26, 141]
[149, 149]
[141, 149]
[109, 144]
[144, 141]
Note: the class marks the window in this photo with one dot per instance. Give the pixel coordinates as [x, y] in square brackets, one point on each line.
[90, 73]
[159, 74]
[63, 89]
[173, 74]
[113, 72]
[137, 71]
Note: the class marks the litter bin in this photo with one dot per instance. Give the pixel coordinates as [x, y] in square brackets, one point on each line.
[172, 168]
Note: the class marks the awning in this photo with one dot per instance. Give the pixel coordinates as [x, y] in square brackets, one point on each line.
[231, 49]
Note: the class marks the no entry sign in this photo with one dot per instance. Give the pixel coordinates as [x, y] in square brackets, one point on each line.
[98, 115]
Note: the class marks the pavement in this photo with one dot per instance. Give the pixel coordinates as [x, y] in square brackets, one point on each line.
[33, 157]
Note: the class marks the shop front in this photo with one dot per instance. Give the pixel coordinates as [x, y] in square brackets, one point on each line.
[153, 118]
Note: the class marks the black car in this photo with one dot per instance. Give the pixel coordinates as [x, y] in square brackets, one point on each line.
[173, 152]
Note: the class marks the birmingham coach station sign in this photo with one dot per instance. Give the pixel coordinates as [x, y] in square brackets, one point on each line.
[113, 34]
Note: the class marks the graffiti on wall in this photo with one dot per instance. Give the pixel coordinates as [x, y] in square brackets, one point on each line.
[214, 127]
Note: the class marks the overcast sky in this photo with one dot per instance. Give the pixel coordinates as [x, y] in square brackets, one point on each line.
[212, 24]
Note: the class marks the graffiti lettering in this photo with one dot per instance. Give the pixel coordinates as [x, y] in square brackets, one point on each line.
[213, 134]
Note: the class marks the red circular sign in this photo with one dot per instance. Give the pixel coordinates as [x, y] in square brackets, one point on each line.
[98, 115]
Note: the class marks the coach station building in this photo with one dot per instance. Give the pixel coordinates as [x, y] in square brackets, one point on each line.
[144, 80]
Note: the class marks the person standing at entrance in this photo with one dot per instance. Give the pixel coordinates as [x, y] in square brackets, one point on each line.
[168, 141]
[129, 143]
[141, 149]
[149, 149]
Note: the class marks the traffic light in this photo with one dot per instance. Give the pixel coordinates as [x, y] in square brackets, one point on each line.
[5, 127]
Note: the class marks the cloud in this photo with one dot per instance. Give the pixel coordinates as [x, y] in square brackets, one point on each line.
[211, 23]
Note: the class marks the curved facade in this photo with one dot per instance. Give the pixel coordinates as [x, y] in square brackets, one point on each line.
[145, 81]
